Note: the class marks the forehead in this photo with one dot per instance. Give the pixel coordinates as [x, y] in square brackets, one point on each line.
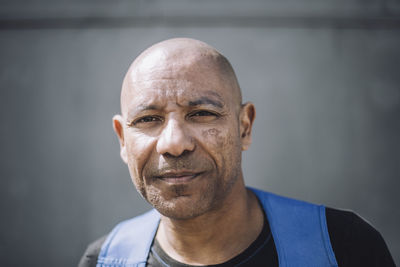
[182, 85]
[159, 93]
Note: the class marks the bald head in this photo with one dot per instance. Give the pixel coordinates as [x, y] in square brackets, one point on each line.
[180, 59]
[183, 127]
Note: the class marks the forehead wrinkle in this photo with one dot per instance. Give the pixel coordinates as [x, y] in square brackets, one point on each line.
[144, 102]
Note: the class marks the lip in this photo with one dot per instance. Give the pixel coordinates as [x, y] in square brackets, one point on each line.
[178, 177]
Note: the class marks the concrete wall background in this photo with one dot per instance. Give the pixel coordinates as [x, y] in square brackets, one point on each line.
[324, 76]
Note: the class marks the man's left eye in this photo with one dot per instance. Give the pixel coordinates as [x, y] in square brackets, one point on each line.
[202, 116]
[202, 113]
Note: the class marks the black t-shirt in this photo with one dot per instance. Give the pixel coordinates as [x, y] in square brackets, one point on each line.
[354, 242]
[260, 253]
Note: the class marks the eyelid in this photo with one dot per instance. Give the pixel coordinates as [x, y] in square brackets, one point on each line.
[212, 113]
[137, 120]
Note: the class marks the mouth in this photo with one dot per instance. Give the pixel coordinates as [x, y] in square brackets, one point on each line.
[178, 177]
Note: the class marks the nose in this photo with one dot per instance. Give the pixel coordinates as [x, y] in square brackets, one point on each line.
[174, 139]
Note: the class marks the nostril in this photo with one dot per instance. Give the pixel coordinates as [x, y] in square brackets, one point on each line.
[183, 154]
[169, 155]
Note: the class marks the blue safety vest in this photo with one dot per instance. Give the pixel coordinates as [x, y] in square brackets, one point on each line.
[298, 228]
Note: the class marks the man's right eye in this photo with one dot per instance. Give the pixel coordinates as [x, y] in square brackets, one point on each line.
[147, 119]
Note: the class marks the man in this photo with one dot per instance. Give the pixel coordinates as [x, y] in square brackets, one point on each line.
[181, 130]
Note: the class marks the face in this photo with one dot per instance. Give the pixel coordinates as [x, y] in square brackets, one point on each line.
[181, 134]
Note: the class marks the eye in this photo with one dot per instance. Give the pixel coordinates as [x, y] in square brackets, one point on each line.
[146, 120]
[202, 113]
[202, 116]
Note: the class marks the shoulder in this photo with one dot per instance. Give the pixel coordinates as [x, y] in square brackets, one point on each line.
[135, 234]
[354, 241]
[89, 258]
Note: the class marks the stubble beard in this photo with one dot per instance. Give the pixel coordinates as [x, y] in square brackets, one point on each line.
[187, 201]
[178, 205]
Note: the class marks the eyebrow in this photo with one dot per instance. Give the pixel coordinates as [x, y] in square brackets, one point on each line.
[206, 101]
[203, 100]
[142, 108]
[147, 107]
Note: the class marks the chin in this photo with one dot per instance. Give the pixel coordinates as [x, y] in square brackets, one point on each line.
[187, 201]
[179, 207]
[179, 214]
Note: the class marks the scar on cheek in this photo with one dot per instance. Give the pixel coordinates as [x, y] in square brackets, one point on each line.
[216, 137]
[211, 132]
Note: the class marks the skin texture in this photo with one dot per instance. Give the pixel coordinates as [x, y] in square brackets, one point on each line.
[182, 131]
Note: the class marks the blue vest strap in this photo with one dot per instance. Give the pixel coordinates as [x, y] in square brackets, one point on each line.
[129, 242]
[299, 230]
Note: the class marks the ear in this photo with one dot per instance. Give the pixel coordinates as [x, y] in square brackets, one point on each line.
[247, 116]
[118, 126]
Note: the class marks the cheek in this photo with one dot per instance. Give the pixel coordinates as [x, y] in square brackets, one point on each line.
[222, 143]
[213, 136]
[139, 148]
[220, 139]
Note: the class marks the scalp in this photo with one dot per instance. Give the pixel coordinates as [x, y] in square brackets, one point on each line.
[181, 56]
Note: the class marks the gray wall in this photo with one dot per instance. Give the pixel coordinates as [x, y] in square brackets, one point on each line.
[324, 76]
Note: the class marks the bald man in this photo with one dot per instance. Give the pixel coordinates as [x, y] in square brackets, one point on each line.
[182, 130]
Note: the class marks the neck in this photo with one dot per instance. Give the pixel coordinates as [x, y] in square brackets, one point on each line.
[216, 236]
